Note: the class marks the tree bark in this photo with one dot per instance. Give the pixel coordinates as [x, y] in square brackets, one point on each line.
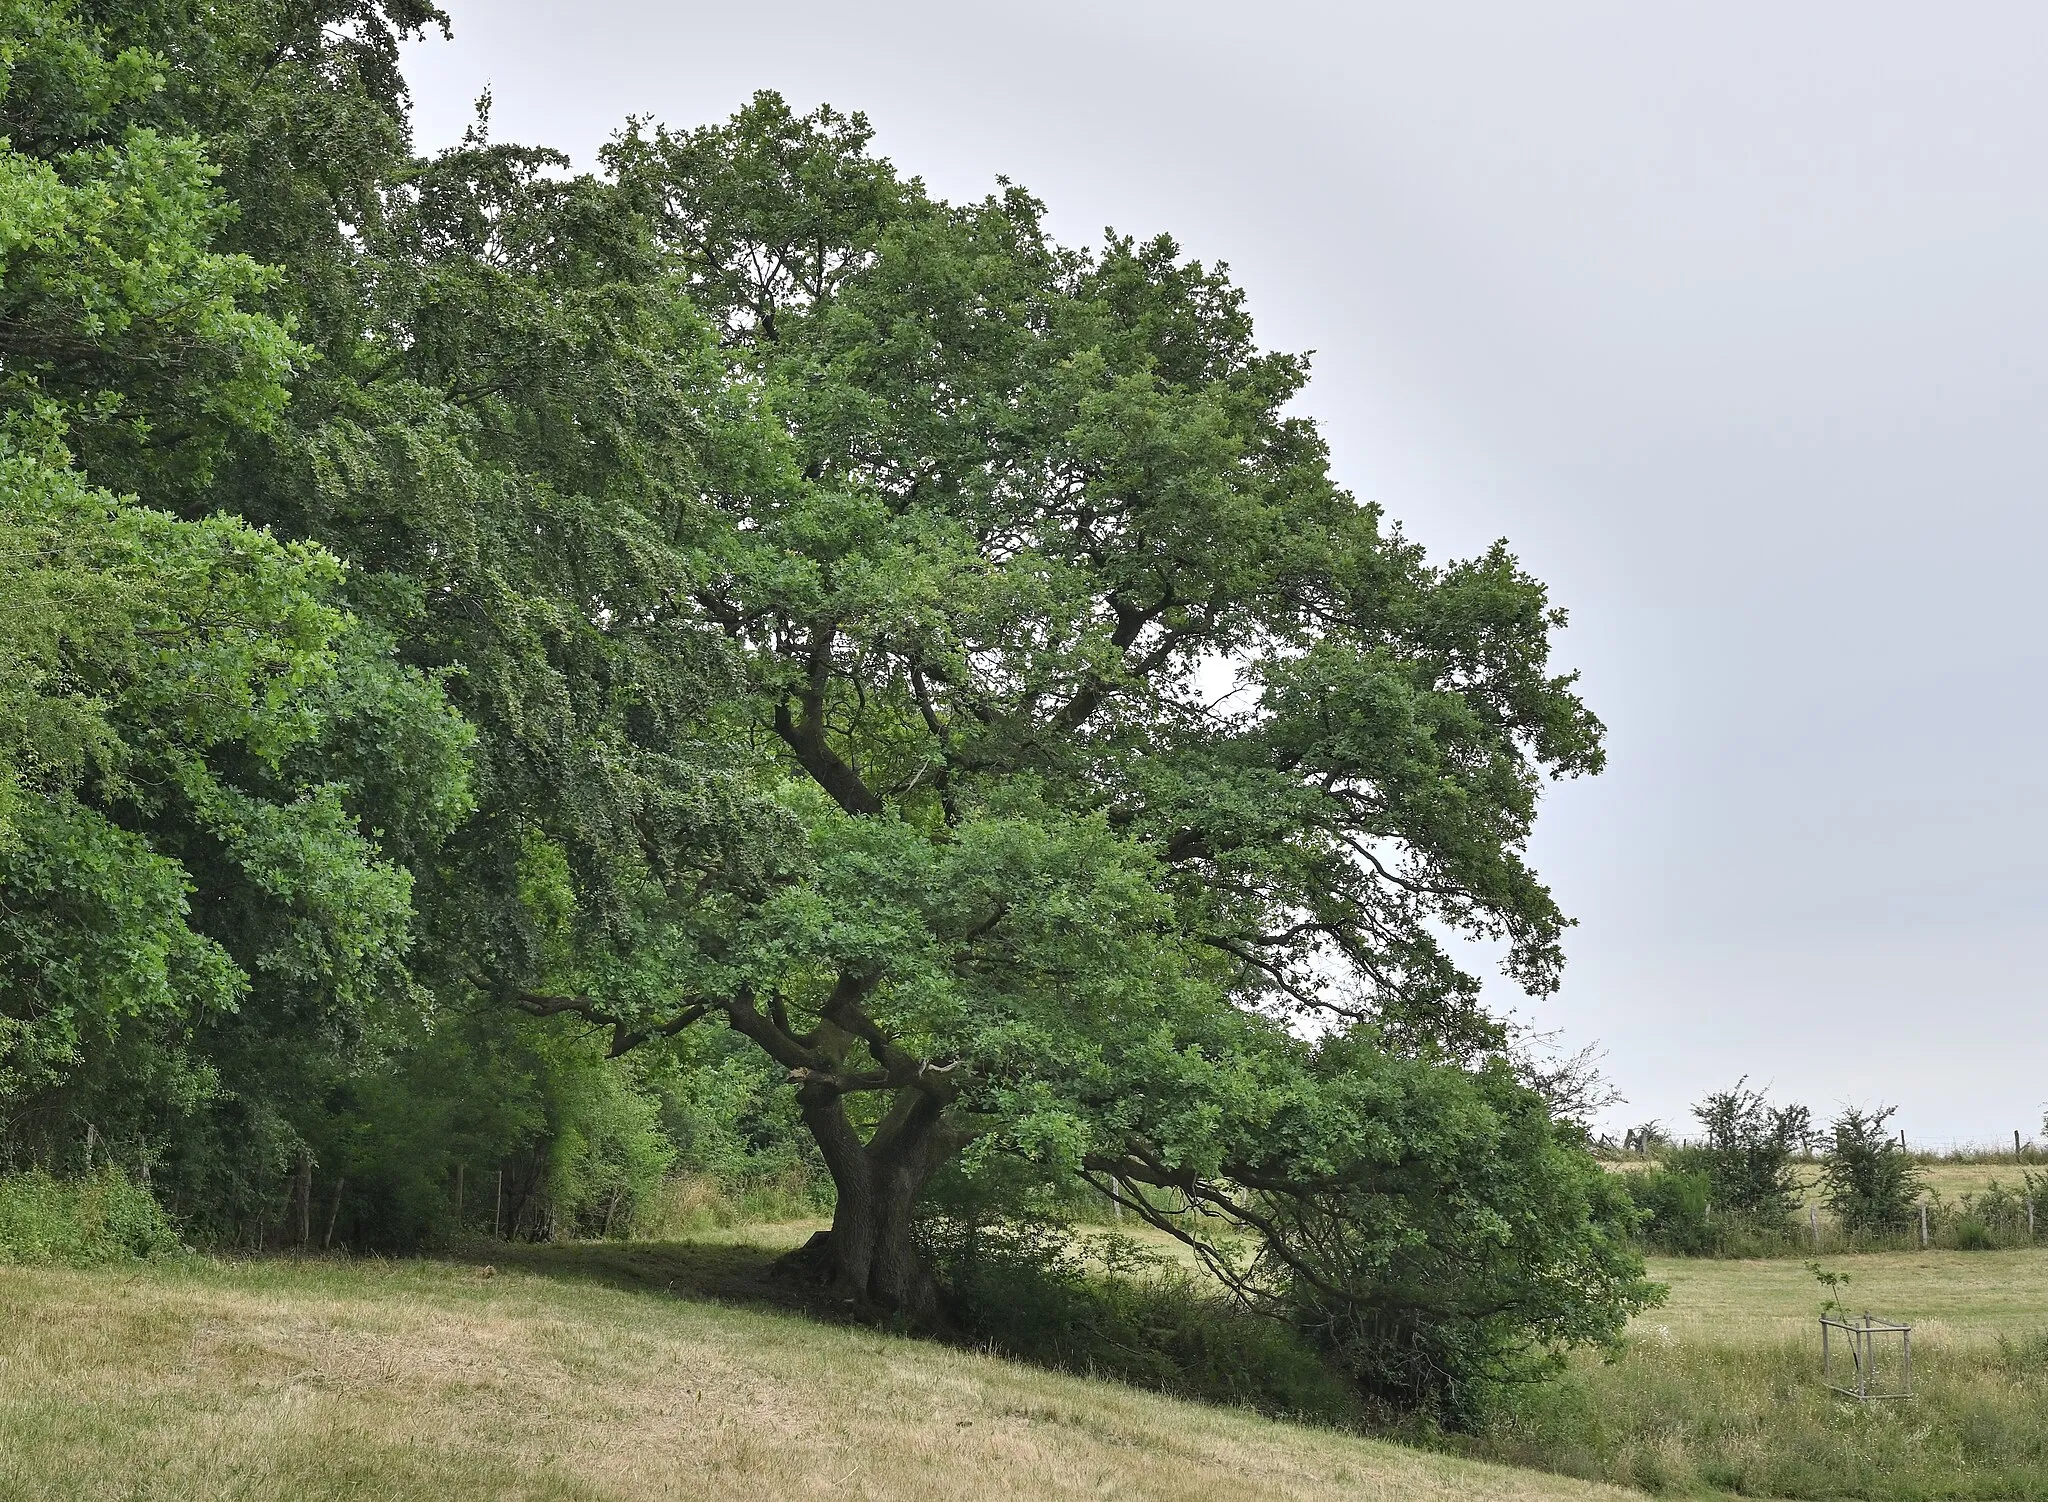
[870, 1257]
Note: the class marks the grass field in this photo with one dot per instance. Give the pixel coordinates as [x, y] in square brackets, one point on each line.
[1953, 1179]
[578, 1375]
[1720, 1390]
[627, 1372]
[1950, 1180]
[1951, 1298]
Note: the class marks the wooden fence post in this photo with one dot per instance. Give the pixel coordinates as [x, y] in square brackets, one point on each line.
[92, 1135]
[1923, 1228]
[498, 1213]
[305, 1201]
[1813, 1219]
[333, 1215]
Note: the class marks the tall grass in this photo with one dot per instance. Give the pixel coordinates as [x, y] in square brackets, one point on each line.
[1677, 1415]
[1721, 1390]
[88, 1222]
[693, 1203]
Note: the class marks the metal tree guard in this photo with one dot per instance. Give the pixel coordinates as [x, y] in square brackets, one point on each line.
[1861, 1337]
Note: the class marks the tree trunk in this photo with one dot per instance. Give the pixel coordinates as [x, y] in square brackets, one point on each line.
[869, 1257]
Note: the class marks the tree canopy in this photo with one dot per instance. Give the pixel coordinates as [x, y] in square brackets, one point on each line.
[185, 704]
[475, 619]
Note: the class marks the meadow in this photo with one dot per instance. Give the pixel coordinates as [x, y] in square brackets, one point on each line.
[1720, 1391]
[630, 1370]
[578, 1376]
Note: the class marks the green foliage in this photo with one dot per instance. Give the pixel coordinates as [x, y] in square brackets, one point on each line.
[417, 1145]
[1974, 1236]
[177, 856]
[2003, 1208]
[1104, 1307]
[731, 1115]
[1674, 1204]
[87, 1222]
[608, 1156]
[1867, 1180]
[1832, 1283]
[483, 647]
[1471, 1248]
[1747, 1155]
[126, 334]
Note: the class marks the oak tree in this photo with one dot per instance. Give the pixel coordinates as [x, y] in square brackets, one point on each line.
[1131, 771]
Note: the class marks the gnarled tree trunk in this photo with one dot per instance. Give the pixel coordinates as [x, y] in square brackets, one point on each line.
[869, 1256]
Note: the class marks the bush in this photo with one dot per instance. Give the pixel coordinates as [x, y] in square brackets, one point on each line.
[1973, 1236]
[1674, 1204]
[1867, 1180]
[1475, 1246]
[1747, 1155]
[85, 1222]
[1105, 1307]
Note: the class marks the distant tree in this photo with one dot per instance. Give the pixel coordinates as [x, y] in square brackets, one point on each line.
[1747, 1153]
[1646, 1138]
[1867, 1180]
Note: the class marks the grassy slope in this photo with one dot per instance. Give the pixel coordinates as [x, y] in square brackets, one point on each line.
[391, 1382]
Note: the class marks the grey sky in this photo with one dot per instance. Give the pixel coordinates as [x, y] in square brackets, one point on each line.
[1732, 317]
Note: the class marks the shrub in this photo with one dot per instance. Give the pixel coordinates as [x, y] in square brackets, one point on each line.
[1674, 1204]
[1032, 1290]
[1867, 1180]
[2000, 1208]
[1748, 1154]
[1471, 1248]
[81, 1222]
[1973, 1236]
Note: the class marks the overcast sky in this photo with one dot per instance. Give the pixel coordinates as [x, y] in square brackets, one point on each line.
[1731, 317]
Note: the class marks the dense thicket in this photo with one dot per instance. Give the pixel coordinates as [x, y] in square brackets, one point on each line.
[534, 673]
[289, 822]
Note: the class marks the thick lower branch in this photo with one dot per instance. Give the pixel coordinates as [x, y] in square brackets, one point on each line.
[625, 1038]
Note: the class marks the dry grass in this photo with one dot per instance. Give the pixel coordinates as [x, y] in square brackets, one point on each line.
[392, 1382]
[691, 1204]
